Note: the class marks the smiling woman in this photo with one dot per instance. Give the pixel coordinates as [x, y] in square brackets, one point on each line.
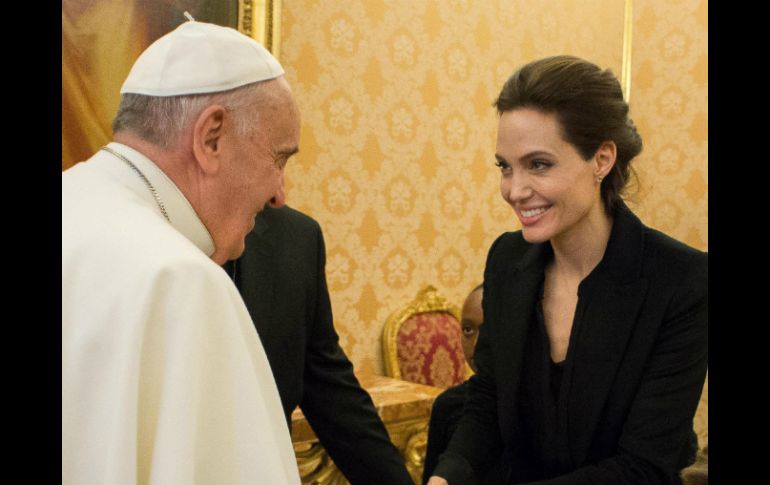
[101, 40]
[592, 319]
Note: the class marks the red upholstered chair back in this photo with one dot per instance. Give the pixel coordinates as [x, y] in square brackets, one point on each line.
[422, 342]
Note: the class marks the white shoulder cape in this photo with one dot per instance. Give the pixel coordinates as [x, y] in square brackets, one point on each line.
[164, 379]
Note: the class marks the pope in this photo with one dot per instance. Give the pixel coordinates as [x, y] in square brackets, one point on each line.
[164, 379]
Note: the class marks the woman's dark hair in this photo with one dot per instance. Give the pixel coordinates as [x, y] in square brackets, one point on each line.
[588, 103]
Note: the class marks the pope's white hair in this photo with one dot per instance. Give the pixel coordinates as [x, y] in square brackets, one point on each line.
[161, 120]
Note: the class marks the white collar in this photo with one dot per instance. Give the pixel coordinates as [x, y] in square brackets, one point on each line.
[181, 214]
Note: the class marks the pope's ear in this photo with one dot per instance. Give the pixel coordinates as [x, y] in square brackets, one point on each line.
[207, 138]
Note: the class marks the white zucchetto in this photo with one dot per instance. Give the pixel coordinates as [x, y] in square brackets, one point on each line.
[197, 58]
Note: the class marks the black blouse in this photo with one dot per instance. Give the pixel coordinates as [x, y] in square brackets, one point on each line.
[544, 389]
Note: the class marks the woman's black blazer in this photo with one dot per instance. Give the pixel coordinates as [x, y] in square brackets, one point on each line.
[636, 363]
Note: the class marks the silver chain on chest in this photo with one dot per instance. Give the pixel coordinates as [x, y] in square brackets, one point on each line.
[141, 175]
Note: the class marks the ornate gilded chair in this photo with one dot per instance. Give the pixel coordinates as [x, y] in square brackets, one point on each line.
[421, 342]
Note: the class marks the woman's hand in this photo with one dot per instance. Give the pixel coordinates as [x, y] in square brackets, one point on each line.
[434, 480]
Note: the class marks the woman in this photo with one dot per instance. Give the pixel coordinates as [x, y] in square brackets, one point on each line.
[593, 353]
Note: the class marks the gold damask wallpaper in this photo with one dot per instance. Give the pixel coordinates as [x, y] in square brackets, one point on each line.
[398, 133]
[669, 103]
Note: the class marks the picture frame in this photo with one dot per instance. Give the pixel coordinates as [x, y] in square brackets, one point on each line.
[261, 20]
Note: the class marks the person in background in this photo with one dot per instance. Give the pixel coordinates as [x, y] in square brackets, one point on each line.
[448, 406]
[164, 379]
[281, 276]
[594, 350]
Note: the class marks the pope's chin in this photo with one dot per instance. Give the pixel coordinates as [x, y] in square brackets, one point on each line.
[239, 250]
[234, 251]
[239, 245]
[231, 246]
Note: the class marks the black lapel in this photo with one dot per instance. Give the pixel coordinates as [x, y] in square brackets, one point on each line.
[611, 298]
[519, 296]
[255, 273]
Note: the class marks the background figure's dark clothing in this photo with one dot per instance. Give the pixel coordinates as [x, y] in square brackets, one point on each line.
[281, 276]
[632, 379]
[444, 416]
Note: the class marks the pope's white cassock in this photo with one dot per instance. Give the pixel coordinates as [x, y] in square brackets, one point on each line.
[164, 379]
